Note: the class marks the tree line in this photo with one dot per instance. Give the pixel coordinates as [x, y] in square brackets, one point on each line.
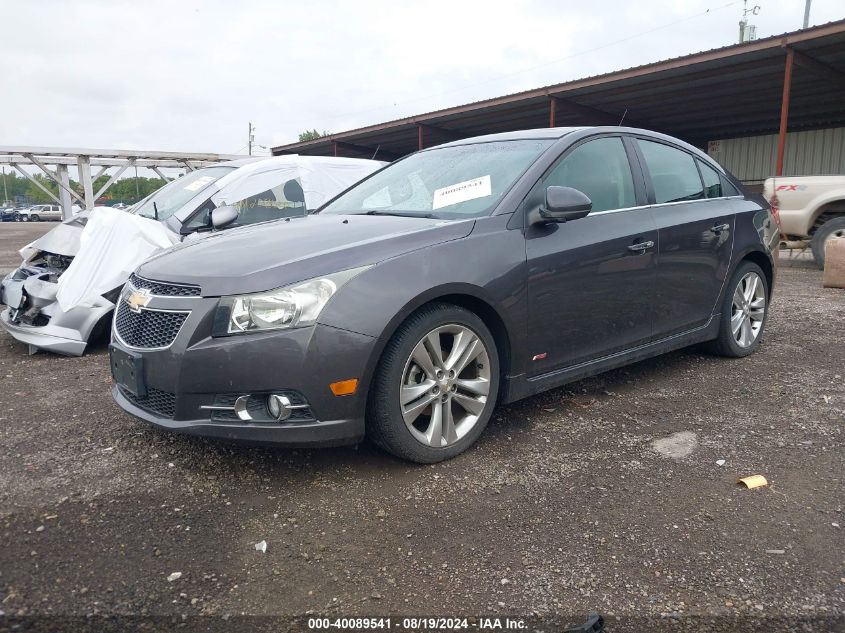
[125, 190]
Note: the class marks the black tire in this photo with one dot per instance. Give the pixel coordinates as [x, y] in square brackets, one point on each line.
[725, 344]
[385, 425]
[34, 218]
[835, 226]
[24, 218]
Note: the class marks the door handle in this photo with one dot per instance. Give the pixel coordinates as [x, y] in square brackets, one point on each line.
[718, 228]
[639, 247]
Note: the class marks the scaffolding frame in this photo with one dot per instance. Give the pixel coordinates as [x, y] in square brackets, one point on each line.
[53, 162]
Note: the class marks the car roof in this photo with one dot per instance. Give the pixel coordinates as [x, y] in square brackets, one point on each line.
[519, 135]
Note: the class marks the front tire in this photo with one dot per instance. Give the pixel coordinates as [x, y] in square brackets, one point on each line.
[744, 311]
[436, 385]
[830, 230]
[34, 218]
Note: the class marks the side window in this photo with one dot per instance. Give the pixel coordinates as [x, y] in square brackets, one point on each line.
[712, 180]
[673, 173]
[283, 201]
[600, 169]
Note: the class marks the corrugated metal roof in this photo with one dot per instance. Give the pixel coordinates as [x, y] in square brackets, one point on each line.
[720, 93]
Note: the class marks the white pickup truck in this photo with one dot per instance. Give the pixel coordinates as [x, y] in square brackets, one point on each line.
[811, 210]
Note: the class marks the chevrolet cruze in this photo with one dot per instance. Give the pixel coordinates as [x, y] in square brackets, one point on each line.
[470, 274]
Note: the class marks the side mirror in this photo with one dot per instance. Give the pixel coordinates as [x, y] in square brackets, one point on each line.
[562, 205]
[223, 216]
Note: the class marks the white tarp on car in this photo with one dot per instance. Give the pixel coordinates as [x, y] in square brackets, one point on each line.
[112, 245]
[321, 178]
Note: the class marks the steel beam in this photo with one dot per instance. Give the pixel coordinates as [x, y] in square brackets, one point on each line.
[62, 186]
[84, 165]
[8, 159]
[114, 177]
[34, 180]
[64, 192]
[116, 153]
[159, 174]
[818, 68]
[784, 109]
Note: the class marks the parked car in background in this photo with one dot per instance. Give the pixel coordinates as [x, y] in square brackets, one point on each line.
[41, 213]
[8, 214]
[64, 292]
[811, 210]
[480, 271]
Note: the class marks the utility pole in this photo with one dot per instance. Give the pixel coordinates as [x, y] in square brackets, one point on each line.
[251, 137]
[747, 32]
[5, 192]
[807, 13]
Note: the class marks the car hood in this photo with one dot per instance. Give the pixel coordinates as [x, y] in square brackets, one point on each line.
[62, 239]
[274, 254]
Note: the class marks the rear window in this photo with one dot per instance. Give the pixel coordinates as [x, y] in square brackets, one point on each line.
[674, 175]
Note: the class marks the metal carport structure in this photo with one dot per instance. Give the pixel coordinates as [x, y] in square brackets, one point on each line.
[793, 81]
[60, 158]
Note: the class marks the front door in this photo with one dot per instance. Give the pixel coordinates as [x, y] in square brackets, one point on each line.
[695, 236]
[591, 281]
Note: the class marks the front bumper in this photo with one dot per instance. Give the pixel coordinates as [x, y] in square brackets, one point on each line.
[198, 371]
[67, 333]
[320, 433]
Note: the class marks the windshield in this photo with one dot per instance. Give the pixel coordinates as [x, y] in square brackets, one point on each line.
[170, 198]
[461, 181]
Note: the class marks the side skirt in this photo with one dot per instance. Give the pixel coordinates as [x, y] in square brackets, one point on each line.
[519, 387]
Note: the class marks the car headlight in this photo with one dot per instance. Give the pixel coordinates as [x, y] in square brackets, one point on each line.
[293, 306]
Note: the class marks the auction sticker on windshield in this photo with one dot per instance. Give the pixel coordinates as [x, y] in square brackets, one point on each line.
[461, 192]
[199, 183]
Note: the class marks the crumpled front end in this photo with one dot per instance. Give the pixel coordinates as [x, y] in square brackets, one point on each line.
[33, 315]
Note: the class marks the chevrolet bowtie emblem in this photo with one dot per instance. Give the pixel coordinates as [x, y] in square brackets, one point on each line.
[137, 299]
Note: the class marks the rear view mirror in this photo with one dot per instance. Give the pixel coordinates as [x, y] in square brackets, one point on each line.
[223, 216]
[564, 204]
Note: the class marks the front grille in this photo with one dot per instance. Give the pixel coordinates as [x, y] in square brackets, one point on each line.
[162, 289]
[147, 329]
[156, 401]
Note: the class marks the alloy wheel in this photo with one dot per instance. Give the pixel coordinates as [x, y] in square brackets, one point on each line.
[445, 385]
[748, 309]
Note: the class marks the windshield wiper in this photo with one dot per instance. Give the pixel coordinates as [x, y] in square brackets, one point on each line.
[400, 214]
[155, 209]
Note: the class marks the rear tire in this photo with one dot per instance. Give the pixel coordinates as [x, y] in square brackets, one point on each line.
[832, 229]
[24, 218]
[745, 308]
[427, 406]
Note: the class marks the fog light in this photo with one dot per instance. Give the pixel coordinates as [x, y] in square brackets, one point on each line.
[279, 406]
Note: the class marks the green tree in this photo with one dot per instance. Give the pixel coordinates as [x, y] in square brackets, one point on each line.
[312, 135]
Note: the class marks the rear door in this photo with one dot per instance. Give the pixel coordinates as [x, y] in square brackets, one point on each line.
[695, 233]
[591, 281]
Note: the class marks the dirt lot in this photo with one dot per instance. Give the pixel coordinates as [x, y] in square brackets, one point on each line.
[565, 506]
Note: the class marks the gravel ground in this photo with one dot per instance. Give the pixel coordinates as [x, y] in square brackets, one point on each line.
[604, 495]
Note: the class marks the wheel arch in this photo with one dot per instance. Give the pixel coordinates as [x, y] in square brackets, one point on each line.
[764, 261]
[827, 210]
[466, 296]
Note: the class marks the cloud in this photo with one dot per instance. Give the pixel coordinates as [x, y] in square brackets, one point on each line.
[189, 75]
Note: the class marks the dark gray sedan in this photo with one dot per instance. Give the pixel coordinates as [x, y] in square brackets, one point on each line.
[466, 275]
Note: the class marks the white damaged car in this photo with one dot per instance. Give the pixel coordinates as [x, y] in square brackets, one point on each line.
[63, 294]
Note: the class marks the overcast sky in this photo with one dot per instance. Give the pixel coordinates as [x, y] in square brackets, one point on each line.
[189, 75]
